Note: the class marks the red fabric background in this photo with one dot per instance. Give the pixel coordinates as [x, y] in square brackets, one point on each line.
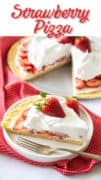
[11, 90]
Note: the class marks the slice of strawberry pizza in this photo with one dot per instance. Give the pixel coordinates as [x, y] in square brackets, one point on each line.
[86, 57]
[47, 116]
[34, 56]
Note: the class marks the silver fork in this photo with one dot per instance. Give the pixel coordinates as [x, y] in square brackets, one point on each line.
[44, 149]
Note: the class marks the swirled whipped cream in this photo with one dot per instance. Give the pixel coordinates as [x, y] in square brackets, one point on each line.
[71, 124]
[87, 65]
[44, 51]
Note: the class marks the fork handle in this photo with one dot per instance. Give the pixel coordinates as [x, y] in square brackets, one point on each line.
[90, 155]
[84, 154]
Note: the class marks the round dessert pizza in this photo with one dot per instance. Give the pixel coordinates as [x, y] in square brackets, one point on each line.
[34, 56]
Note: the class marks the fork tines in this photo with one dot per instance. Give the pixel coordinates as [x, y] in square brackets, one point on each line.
[33, 146]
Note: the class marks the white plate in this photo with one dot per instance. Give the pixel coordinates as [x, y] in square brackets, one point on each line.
[11, 138]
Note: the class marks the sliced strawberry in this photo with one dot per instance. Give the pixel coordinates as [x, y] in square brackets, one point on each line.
[73, 104]
[80, 84]
[23, 58]
[83, 43]
[26, 44]
[23, 55]
[51, 133]
[24, 62]
[24, 114]
[66, 39]
[29, 68]
[27, 65]
[93, 83]
[23, 50]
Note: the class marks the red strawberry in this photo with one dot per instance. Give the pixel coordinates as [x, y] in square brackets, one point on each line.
[83, 43]
[29, 68]
[93, 83]
[23, 55]
[23, 50]
[72, 103]
[51, 107]
[66, 39]
[24, 114]
[80, 84]
[24, 62]
[26, 44]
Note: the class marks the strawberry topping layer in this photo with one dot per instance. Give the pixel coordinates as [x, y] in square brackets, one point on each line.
[23, 58]
[92, 83]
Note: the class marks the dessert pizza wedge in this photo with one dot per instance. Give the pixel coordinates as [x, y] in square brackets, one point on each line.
[47, 116]
[86, 57]
[34, 56]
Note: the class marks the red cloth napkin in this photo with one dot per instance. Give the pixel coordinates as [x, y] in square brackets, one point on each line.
[11, 90]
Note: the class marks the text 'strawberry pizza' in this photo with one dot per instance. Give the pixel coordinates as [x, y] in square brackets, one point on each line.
[34, 56]
[47, 116]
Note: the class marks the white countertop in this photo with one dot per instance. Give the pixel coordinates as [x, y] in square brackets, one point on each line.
[12, 169]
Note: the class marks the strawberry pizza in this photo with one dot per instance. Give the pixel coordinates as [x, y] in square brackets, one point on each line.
[86, 56]
[49, 117]
[34, 56]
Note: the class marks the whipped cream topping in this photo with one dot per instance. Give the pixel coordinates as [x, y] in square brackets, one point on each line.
[71, 124]
[87, 65]
[44, 51]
